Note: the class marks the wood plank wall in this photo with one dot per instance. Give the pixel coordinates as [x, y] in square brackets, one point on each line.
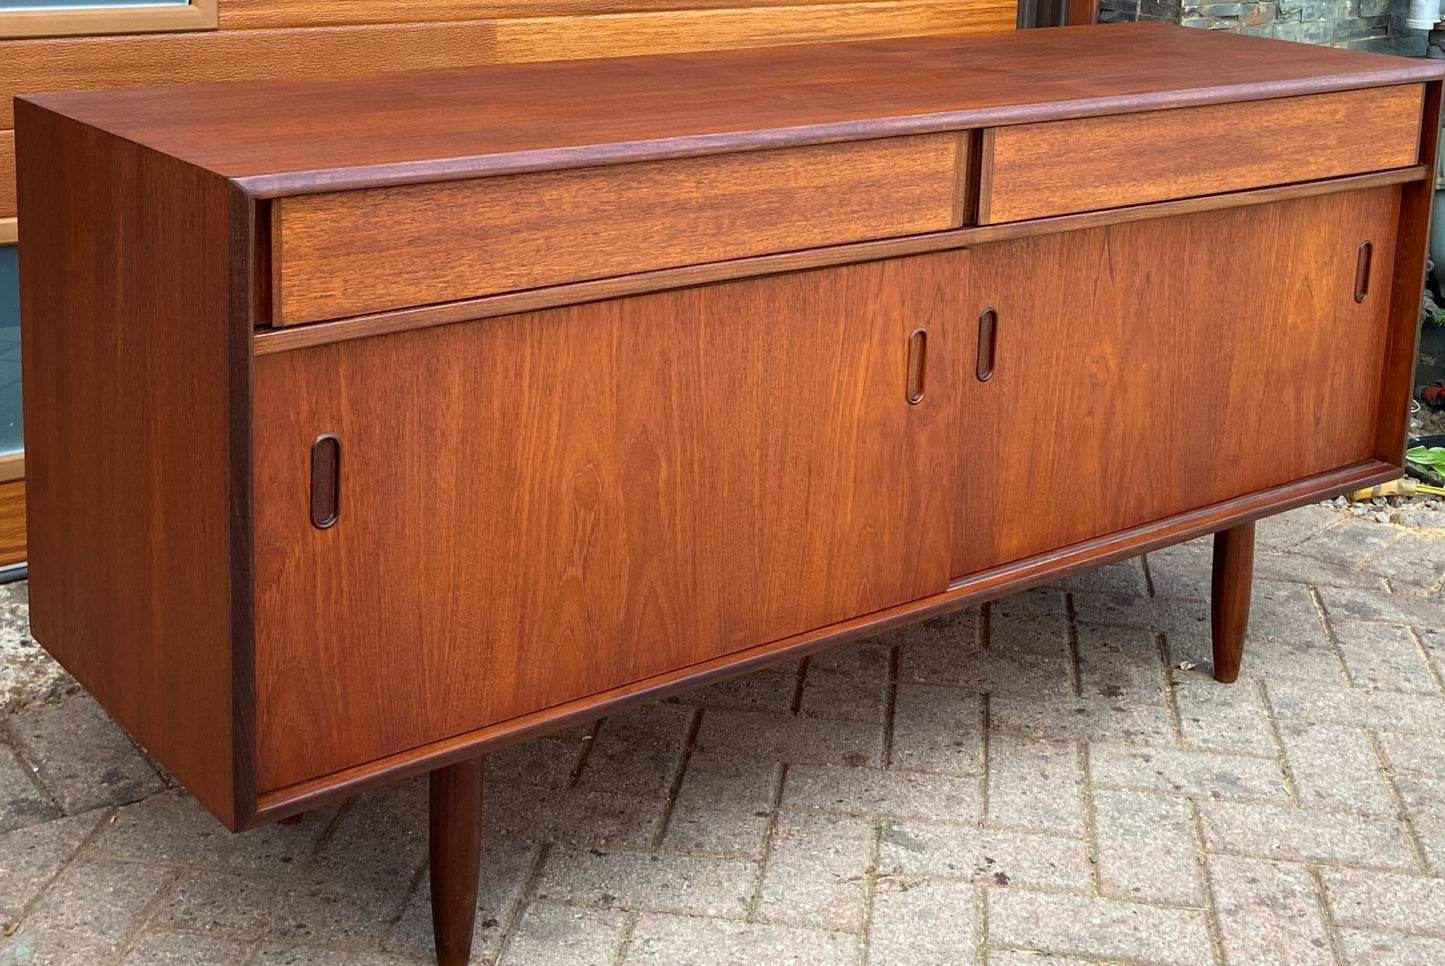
[277, 38]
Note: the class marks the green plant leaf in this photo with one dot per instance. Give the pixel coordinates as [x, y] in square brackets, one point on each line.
[1432, 457]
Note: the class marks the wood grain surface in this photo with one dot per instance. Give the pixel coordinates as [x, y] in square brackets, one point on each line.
[128, 401]
[300, 136]
[272, 340]
[12, 522]
[545, 506]
[966, 592]
[346, 253]
[250, 14]
[1038, 170]
[570, 37]
[1165, 376]
[7, 174]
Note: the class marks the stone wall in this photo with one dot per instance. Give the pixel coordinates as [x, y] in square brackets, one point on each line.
[1363, 24]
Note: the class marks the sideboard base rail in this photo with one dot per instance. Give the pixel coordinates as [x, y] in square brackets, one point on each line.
[1237, 515]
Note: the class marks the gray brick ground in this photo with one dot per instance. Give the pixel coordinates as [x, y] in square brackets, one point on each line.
[1050, 780]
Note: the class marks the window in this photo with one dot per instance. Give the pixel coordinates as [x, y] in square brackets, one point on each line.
[58, 18]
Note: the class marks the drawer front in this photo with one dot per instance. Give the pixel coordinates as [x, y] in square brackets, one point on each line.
[354, 252]
[537, 508]
[1089, 164]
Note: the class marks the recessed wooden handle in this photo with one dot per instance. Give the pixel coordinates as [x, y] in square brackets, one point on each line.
[917, 359]
[325, 481]
[1362, 271]
[987, 343]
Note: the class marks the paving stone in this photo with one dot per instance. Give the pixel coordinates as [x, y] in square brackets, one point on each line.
[637, 754]
[291, 955]
[816, 873]
[1294, 568]
[1285, 530]
[1038, 957]
[1349, 544]
[22, 801]
[770, 692]
[86, 914]
[343, 910]
[1359, 707]
[895, 794]
[684, 884]
[1034, 784]
[850, 683]
[1383, 656]
[659, 940]
[1335, 767]
[1197, 774]
[1390, 949]
[382, 835]
[1414, 753]
[936, 729]
[992, 672]
[924, 923]
[1268, 912]
[1416, 560]
[171, 827]
[1383, 608]
[565, 936]
[1123, 578]
[1092, 719]
[1036, 621]
[1424, 801]
[1272, 832]
[791, 738]
[992, 857]
[1098, 927]
[544, 761]
[219, 904]
[1224, 717]
[580, 816]
[1145, 848]
[1385, 900]
[28, 676]
[1182, 571]
[181, 949]
[83, 757]
[1181, 616]
[32, 856]
[506, 866]
[724, 804]
[1120, 663]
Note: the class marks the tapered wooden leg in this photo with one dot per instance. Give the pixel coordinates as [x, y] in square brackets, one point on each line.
[456, 858]
[1229, 606]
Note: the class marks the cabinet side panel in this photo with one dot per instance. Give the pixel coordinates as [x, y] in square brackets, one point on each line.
[125, 319]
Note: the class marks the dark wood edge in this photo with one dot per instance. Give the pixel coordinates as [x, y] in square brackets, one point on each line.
[629, 152]
[287, 338]
[1407, 284]
[963, 593]
[244, 229]
[1081, 12]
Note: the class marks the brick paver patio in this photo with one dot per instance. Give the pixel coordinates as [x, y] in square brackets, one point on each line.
[1052, 779]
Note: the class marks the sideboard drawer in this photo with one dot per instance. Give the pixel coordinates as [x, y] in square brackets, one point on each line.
[353, 252]
[1093, 163]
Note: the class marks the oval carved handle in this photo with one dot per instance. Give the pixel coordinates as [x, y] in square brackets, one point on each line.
[325, 481]
[987, 343]
[917, 359]
[1362, 271]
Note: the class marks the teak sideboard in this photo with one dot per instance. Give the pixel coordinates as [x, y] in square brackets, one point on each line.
[373, 423]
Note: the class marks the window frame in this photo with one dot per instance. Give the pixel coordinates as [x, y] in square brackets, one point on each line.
[80, 21]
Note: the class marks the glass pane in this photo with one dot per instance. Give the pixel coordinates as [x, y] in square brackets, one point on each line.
[73, 4]
[11, 436]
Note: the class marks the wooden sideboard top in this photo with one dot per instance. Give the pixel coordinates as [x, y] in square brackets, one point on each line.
[297, 136]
